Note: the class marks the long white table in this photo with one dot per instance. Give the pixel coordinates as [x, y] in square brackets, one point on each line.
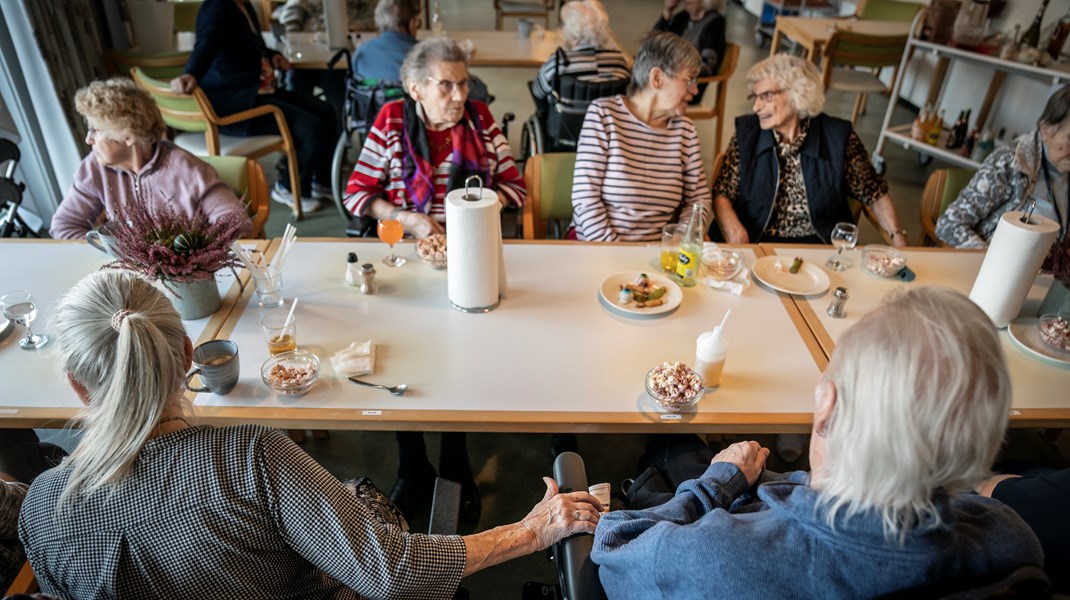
[33, 390]
[551, 357]
[1040, 389]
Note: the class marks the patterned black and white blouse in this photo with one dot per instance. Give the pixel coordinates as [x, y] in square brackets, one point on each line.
[791, 211]
[232, 512]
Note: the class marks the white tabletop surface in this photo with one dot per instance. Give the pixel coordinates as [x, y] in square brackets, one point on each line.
[33, 379]
[1037, 385]
[550, 357]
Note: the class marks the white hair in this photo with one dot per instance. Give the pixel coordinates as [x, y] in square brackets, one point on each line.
[417, 64]
[923, 397]
[395, 15]
[585, 23]
[666, 51]
[799, 79]
[134, 376]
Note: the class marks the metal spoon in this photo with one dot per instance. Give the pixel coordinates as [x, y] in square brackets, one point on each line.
[397, 390]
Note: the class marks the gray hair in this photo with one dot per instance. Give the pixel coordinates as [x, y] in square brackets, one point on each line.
[118, 103]
[395, 15]
[585, 23]
[923, 397]
[799, 79]
[431, 51]
[1057, 108]
[134, 375]
[666, 51]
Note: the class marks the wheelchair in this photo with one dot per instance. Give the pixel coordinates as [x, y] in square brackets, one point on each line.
[11, 223]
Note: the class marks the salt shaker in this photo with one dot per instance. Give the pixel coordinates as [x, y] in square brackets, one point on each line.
[839, 298]
[352, 270]
[367, 279]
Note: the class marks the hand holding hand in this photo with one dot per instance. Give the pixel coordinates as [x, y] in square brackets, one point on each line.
[748, 456]
[183, 84]
[419, 224]
[558, 516]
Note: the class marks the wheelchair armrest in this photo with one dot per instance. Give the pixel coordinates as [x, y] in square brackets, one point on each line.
[445, 507]
[577, 573]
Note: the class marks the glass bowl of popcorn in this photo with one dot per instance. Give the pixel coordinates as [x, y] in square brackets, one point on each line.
[1055, 331]
[674, 386]
[291, 373]
[882, 261]
[432, 251]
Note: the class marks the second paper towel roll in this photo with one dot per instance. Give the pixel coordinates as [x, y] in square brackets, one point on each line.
[475, 278]
[1011, 265]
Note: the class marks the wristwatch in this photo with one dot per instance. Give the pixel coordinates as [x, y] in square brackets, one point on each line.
[902, 232]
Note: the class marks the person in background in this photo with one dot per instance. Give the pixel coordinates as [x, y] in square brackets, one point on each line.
[588, 51]
[638, 160]
[790, 169]
[1035, 167]
[307, 15]
[131, 162]
[236, 71]
[381, 58]
[150, 504]
[908, 416]
[703, 26]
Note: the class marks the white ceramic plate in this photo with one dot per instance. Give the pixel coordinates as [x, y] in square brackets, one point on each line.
[1026, 336]
[811, 279]
[610, 292]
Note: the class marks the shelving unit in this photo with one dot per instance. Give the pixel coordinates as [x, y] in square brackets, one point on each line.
[900, 134]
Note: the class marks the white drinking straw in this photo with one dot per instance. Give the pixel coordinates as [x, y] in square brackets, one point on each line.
[290, 316]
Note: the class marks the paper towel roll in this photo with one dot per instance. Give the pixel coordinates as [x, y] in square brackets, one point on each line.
[476, 275]
[1011, 265]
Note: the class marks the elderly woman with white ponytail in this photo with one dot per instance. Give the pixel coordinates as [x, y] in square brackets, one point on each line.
[909, 414]
[152, 506]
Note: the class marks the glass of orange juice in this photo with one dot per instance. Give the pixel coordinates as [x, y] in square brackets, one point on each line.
[391, 232]
[280, 331]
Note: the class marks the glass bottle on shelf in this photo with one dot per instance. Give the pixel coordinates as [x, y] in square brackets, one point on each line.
[1031, 37]
[1010, 45]
[438, 25]
[935, 128]
[969, 27]
[1058, 36]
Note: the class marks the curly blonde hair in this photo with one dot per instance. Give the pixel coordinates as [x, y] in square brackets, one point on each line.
[122, 108]
[798, 77]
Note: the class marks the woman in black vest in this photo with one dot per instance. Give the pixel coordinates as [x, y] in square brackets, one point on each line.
[790, 168]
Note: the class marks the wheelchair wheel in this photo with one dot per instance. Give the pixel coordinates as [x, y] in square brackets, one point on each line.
[531, 138]
[346, 152]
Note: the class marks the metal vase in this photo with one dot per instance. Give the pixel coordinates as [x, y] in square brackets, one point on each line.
[194, 299]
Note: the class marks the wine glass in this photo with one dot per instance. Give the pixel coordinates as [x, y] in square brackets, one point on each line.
[844, 237]
[20, 307]
[391, 232]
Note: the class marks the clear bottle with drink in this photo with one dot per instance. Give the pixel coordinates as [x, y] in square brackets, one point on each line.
[690, 257]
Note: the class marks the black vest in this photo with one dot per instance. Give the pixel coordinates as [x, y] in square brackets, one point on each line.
[822, 158]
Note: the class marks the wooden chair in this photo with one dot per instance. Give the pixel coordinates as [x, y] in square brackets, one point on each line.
[846, 51]
[548, 177]
[713, 100]
[940, 191]
[193, 114]
[888, 10]
[24, 583]
[519, 8]
[246, 178]
[165, 65]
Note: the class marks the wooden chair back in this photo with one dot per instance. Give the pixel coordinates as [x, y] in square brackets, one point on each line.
[548, 177]
[847, 52]
[887, 10]
[713, 100]
[163, 65]
[24, 583]
[246, 178]
[941, 190]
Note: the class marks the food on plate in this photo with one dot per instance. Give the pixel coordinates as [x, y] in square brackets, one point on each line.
[644, 293]
[674, 385]
[1055, 331]
[282, 376]
[795, 265]
[625, 296]
[432, 248]
[780, 267]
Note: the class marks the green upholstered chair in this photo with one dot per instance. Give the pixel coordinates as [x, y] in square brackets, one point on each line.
[888, 10]
[548, 177]
[161, 65]
[941, 190]
[246, 178]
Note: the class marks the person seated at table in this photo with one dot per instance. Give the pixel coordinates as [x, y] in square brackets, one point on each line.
[790, 169]
[703, 26]
[587, 50]
[131, 162]
[909, 414]
[151, 504]
[308, 15]
[236, 71]
[427, 144]
[638, 161]
[1036, 166]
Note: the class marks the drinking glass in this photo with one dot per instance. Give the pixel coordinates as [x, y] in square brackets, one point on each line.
[280, 331]
[844, 237]
[671, 236]
[391, 232]
[20, 307]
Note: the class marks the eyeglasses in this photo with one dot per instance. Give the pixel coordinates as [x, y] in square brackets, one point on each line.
[765, 97]
[691, 82]
[445, 86]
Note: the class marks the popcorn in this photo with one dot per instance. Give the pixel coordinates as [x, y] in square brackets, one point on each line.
[283, 376]
[674, 384]
[432, 247]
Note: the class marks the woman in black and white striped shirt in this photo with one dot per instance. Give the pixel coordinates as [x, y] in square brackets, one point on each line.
[638, 162]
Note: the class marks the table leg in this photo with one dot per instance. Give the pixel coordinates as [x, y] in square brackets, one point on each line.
[773, 45]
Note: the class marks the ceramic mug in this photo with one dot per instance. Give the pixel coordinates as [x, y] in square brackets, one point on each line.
[103, 239]
[524, 27]
[217, 364]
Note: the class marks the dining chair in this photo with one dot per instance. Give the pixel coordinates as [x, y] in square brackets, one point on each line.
[712, 104]
[193, 115]
[548, 177]
[887, 10]
[940, 191]
[246, 178]
[518, 8]
[853, 62]
[163, 65]
[24, 583]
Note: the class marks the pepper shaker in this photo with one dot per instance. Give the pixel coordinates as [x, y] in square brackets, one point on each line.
[839, 298]
[352, 270]
[367, 279]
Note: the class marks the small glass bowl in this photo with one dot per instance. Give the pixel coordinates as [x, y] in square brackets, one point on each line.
[1055, 331]
[882, 261]
[721, 264]
[297, 359]
[434, 264]
[675, 404]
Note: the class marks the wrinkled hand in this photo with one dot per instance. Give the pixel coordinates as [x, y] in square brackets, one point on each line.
[748, 456]
[183, 84]
[419, 224]
[558, 516]
[279, 62]
[736, 235]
